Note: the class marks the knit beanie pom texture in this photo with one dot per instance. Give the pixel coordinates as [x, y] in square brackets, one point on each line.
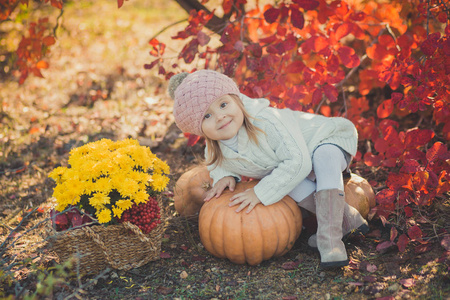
[193, 94]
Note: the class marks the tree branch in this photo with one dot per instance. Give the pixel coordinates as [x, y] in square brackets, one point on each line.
[216, 24]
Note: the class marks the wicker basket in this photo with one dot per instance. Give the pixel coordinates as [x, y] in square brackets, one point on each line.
[96, 248]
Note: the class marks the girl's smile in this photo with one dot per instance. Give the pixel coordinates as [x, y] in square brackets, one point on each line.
[223, 119]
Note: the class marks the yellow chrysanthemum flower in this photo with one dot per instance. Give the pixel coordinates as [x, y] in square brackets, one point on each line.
[57, 174]
[117, 212]
[124, 204]
[103, 185]
[99, 200]
[140, 196]
[161, 166]
[159, 182]
[104, 216]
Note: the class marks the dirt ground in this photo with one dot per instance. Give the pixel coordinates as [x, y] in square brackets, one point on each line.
[96, 87]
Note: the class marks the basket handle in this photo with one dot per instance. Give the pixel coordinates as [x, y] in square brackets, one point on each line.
[96, 238]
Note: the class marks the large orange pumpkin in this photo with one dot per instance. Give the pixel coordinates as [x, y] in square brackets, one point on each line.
[359, 194]
[190, 190]
[265, 232]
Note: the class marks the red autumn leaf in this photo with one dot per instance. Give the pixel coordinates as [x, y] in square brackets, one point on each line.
[385, 109]
[371, 268]
[290, 265]
[415, 233]
[333, 64]
[164, 255]
[48, 41]
[227, 5]
[372, 160]
[386, 40]
[396, 181]
[271, 15]
[317, 43]
[203, 38]
[58, 219]
[394, 234]
[411, 166]
[437, 151]
[348, 57]
[307, 4]
[34, 130]
[409, 282]
[120, 3]
[383, 247]
[389, 162]
[330, 92]
[402, 242]
[396, 97]
[381, 145]
[408, 211]
[317, 96]
[443, 183]
[386, 196]
[343, 30]
[414, 154]
[295, 67]
[297, 18]
[189, 51]
[42, 64]
[192, 139]
[442, 17]
[255, 50]
[418, 137]
[152, 64]
[358, 16]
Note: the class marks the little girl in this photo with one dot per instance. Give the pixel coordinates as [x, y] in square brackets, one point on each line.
[291, 153]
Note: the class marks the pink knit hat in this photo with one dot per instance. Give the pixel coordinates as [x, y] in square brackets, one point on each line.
[194, 94]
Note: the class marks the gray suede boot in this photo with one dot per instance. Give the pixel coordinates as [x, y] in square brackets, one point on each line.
[353, 225]
[330, 212]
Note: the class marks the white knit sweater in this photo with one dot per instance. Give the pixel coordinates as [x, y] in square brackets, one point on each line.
[282, 159]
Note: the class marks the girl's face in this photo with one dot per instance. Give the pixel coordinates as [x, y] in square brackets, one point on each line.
[223, 119]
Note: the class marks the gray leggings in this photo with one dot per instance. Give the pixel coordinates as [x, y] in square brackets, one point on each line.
[329, 161]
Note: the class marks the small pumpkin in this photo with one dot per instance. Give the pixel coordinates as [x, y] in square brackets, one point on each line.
[190, 190]
[359, 194]
[265, 232]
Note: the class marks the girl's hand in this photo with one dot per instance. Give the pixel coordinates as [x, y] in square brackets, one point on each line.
[220, 186]
[247, 198]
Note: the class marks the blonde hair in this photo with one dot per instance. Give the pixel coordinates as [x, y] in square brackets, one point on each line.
[215, 155]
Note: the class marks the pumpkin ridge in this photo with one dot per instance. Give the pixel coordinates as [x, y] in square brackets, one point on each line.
[233, 251]
[292, 233]
[277, 235]
[282, 224]
[205, 219]
[217, 221]
[261, 235]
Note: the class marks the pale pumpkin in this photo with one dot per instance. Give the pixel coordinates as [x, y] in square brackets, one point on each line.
[190, 190]
[265, 232]
[359, 194]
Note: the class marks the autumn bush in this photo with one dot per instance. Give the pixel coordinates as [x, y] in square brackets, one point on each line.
[383, 64]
